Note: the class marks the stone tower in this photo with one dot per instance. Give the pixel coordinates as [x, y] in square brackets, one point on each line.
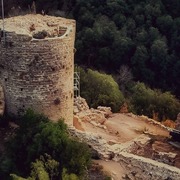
[37, 65]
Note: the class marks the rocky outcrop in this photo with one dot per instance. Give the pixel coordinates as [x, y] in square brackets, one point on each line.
[77, 123]
[124, 108]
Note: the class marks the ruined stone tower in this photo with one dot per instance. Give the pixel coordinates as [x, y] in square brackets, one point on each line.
[37, 65]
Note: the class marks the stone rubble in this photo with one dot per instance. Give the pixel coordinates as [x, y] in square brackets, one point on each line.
[105, 110]
[167, 158]
[144, 168]
[80, 104]
[138, 167]
[96, 117]
[131, 146]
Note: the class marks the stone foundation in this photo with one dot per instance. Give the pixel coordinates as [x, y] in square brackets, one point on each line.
[139, 167]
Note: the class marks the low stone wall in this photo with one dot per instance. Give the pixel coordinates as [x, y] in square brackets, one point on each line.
[144, 168]
[149, 120]
[139, 167]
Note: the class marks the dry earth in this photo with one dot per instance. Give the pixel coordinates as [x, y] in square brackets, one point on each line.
[123, 128]
[128, 130]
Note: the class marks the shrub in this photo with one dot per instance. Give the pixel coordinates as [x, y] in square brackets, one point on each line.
[44, 168]
[148, 102]
[169, 123]
[66, 176]
[100, 89]
[38, 136]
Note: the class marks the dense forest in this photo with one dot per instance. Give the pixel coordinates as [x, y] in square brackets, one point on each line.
[143, 35]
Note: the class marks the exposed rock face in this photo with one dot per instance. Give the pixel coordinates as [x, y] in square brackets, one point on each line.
[2, 103]
[178, 122]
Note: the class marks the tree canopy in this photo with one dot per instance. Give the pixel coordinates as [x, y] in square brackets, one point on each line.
[100, 89]
[42, 148]
[141, 34]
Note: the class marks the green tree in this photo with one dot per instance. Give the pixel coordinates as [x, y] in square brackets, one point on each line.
[140, 62]
[100, 89]
[38, 136]
[44, 168]
[147, 101]
[165, 22]
[154, 34]
[159, 62]
[66, 176]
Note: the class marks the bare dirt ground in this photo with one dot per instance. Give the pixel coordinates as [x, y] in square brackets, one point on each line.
[114, 169]
[122, 128]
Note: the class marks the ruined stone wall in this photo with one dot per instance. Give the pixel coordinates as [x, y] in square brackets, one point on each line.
[138, 167]
[144, 168]
[38, 74]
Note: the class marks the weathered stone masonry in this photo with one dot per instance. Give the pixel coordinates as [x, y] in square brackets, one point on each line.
[38, 73]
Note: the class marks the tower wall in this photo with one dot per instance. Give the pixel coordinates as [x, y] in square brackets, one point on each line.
[38, 74]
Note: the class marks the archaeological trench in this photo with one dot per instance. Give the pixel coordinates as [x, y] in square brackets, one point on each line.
[36, 71]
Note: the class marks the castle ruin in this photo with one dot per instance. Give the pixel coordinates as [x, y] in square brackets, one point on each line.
[37, 65]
